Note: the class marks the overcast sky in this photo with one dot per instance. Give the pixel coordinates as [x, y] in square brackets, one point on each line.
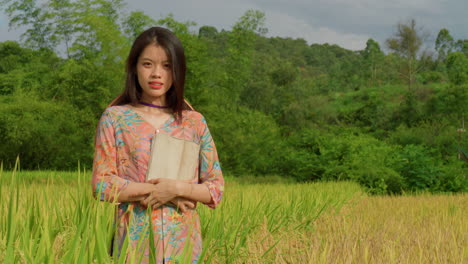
[348, 23]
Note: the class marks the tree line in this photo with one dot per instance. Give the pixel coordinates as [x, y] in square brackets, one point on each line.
[275, 106]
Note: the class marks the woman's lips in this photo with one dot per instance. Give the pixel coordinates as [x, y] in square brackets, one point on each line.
[156, 85]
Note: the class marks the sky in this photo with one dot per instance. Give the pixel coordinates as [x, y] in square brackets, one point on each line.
[347, 23]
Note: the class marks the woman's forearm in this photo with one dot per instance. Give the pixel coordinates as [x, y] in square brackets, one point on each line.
[135, 191]
[194, 192]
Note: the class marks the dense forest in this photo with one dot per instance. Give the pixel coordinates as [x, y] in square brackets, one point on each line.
[392, 121]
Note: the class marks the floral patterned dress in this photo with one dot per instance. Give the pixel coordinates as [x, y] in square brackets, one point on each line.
[122, 152]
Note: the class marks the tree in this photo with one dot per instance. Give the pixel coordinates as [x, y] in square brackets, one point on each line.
[373, 58]
[462, 46]
[444, 44]
[87, 28]
[45, 134]
[30, 13]
[240, 50]
[180, 29]
[252, 21]
[407, 42]
[63, 32]
[135, 24]
[26, 71]
[457, 67]
[207, 32]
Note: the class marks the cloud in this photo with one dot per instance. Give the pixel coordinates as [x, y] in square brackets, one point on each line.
[348, 23]
[221, 14]
[373, 18]
[284, 25]
[280, 22]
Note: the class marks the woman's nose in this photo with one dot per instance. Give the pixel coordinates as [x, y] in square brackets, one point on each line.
[156, 71]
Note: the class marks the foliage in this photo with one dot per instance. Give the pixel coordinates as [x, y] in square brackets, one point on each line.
[275, 106]
[462, 46]
[373, 59]
[448, 100]
[444, 44]
[363, 159]
[44, 134]
[249, 143]
[407, 42]
[302, 157]
[136, 23]
[379, 167]
[457, 67]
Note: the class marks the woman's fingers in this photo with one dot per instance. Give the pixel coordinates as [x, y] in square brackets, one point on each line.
[145, 201]
[187, 204]
[159, 197]
[152, 200]
[137, 198]
[182, 208]
[191, 204]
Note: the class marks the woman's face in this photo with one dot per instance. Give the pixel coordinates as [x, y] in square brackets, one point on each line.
[154, 72]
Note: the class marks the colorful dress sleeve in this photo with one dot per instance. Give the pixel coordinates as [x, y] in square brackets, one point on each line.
[210, 169]
[106, 182]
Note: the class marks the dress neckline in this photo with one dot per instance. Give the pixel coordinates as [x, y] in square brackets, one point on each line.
[166, 123]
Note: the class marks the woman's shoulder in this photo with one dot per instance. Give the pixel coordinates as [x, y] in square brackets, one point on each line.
[192, 115]
[193, 119]
[116, 110]
[115, 113]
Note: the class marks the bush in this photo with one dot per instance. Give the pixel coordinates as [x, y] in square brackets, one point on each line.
[363, 159]
[44, 134]
[439, 135]
[369, 109]
[424, 170]
[343, 155]
[448, 100]
[248, 141]
[419, 169]
[381, 168]
[301, 159]
[457, 67]
[454, 176]
[430, 77]
[379, 180]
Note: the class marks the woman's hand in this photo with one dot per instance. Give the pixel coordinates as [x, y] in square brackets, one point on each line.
[163, 191]
[183, 204]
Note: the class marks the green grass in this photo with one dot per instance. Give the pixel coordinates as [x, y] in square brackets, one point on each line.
[51, 217]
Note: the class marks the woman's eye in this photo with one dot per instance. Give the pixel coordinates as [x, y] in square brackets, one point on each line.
[167, 66]
[146, 64]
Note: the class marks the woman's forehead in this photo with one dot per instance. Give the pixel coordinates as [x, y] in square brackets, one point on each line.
[154, 52]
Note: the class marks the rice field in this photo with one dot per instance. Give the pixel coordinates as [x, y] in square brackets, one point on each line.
[51, 217]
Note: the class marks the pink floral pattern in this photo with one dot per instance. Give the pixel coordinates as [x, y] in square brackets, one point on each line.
[122, 151]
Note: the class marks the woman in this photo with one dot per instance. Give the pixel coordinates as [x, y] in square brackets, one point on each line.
[152, 103]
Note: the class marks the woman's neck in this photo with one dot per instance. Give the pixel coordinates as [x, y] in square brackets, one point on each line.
[158, 101]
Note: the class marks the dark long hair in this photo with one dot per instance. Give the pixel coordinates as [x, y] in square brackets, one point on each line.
[171, 44]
